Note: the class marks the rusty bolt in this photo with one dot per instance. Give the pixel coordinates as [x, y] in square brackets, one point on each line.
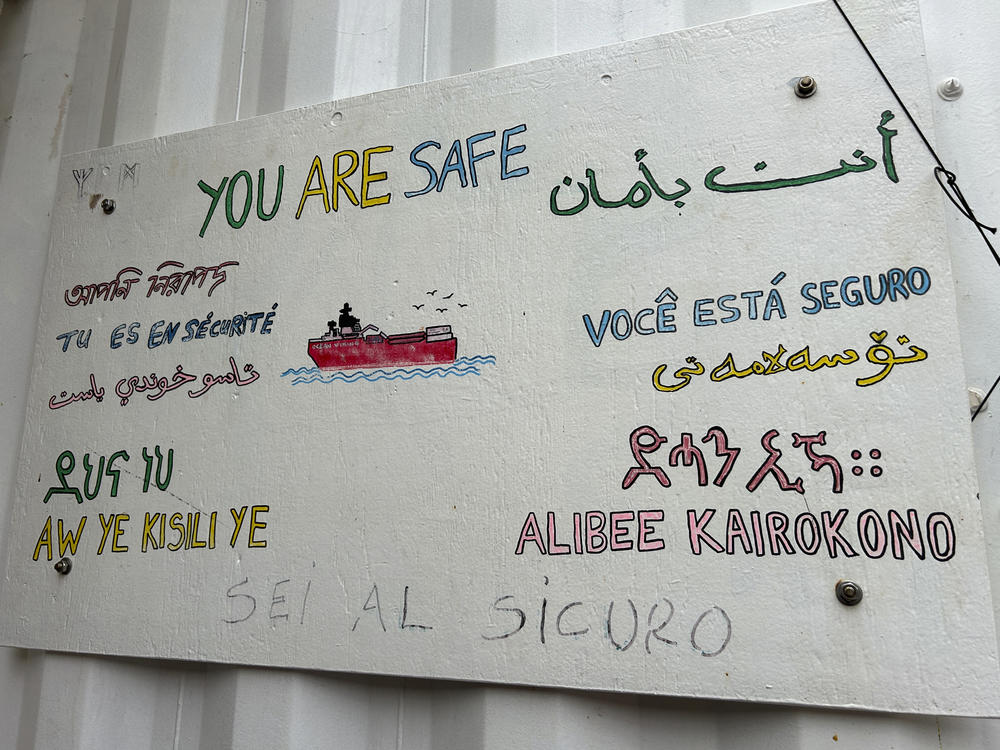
[805, 87]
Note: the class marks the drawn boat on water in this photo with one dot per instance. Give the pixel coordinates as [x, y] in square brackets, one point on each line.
[348, 346]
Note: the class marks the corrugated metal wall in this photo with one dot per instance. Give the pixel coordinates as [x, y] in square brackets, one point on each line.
[79, 74]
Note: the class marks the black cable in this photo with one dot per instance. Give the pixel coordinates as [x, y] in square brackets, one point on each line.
[950, 186]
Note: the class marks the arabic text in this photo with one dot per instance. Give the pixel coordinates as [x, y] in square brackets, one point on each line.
[642, 190]
[155, 387]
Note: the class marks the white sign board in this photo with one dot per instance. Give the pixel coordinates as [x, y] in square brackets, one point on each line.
[600, 371]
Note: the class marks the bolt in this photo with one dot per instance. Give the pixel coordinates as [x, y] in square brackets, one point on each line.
[805, 87]
[64, 566]
[108, 206]
[849, 593]
[950, 89]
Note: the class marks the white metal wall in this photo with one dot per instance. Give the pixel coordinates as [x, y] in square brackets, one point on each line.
[80, 74]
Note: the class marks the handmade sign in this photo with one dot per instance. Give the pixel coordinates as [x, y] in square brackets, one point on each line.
[626, 370]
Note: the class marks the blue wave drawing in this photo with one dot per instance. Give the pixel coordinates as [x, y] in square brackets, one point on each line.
[459, 368]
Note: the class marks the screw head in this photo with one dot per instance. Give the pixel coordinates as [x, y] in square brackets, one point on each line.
[64, 566]
[108, 206]
[849, 593]
[805, 87]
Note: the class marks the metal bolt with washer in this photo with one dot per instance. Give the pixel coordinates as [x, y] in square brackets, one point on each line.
[849, 593]
[805, 87]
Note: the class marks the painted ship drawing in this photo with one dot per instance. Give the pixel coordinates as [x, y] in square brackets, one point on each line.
[348, 346]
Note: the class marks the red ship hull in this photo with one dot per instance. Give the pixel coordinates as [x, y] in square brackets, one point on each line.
[396, 351]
